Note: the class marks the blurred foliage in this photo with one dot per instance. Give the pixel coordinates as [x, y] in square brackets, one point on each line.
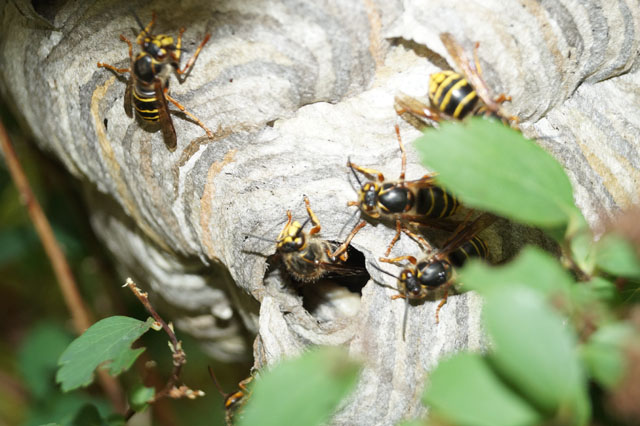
[36, 326]
[565, 341]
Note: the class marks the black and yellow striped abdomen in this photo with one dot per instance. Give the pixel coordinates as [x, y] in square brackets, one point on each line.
[433, 202]
[475, 247]
[145, 102]
[452, 94]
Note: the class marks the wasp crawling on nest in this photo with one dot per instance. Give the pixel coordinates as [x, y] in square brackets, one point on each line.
[455, 95]
[148, 86]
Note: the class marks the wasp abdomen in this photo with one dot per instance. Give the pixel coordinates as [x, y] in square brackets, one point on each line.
[475, 247]
[435, 202]
[145, 103]
[452, 94]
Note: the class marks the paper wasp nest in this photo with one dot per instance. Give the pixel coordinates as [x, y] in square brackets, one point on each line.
[292, 89]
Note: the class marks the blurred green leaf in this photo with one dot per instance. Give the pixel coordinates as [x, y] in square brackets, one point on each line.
[494, 168]
[38, 357]
[140, 397]
[464, 390]
[582, 250]
[109, 339]
[536, 353]
[307, 389]
[62, 408]
[603, 353]
[533, 268]
[616, 255]
[88, 416]
[16, 242]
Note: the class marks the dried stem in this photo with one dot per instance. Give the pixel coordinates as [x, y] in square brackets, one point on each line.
[79, 312]
[179, 357]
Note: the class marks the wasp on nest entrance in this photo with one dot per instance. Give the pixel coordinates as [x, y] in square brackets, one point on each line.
[328, 275]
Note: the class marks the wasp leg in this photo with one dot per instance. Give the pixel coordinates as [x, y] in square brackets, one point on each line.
[367, 171]
[341, 251]
[314, 219]
[398, 296]
[193, 57]
[403, 154]
[396, 260]
[112, 68]
[441, 304]
[395, 238]
[281, 236]
[193, 117]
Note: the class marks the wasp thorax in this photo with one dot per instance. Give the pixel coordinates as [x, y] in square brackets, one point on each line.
[395, 199]
[434, 274]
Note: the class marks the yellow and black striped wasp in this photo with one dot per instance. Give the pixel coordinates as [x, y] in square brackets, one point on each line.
[418, 202]
[233, 402]
[148, 86]
[454, 95]
[435, 271]
[306, 256]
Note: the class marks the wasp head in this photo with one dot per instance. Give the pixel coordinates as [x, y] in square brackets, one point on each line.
[291, 238]
[161, 47]
[368, 199]
[410, 286]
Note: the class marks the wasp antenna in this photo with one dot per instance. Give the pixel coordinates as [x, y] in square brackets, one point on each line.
[213, 377]
[137, 18]
[347, 222]
[374, 266]
[258, 237]
[304, 224]
[354, 172]
[404, 316]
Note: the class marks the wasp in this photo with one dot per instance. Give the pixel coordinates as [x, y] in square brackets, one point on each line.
[233, 402]
[436, 270]
[306, 256]
[148, 86]
[420, 202]
[454, 95]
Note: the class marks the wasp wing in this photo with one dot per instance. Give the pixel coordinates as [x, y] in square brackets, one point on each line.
[166, 124]
[128, 98]
[471, 73]
[460, 236]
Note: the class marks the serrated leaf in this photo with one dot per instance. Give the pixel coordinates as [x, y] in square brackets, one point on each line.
[536, 353]
[533, 268]
[108, 340]
[492, 167]
[603, 353]
[307, 389]
[464, 390]
[616, 255]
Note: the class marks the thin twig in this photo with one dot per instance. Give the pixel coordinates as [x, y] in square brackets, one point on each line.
[179, 357]
[79, 312]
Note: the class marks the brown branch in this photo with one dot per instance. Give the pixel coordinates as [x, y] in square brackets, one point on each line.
[179, 357]
[79, 312]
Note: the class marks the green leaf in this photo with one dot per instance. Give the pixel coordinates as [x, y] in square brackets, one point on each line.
[109, 339]
[38, 357]
[307, 389]
[88, 416]
[603, 355]
[536, 353]
[465, 391]
[533, 268]
[492, 167]
[616, 255]
[140, 398]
